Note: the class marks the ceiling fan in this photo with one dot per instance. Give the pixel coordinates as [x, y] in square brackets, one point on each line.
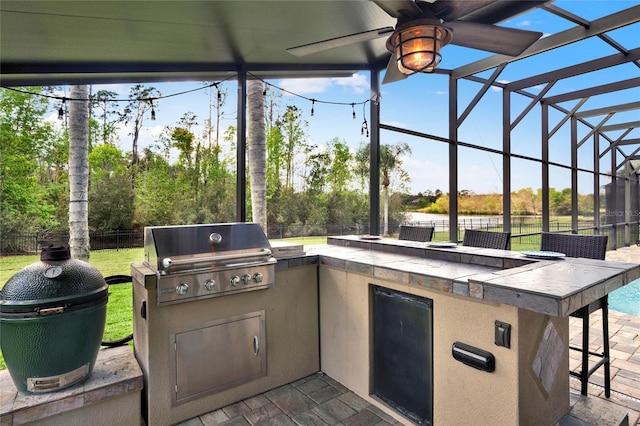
[425, 26]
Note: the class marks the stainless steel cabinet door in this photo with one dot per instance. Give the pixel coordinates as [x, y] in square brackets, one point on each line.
[219, 355]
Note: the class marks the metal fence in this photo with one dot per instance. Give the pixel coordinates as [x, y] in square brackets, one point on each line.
[522, 232]
[16, 243]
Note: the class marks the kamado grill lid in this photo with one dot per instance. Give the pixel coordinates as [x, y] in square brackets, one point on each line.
[184, 247]
[55, 281]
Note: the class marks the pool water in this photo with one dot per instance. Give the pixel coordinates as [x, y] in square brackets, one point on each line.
[626, 299]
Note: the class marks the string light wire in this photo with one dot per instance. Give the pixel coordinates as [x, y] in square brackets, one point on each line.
[151, 100]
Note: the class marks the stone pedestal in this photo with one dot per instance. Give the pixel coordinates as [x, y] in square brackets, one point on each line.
[111, 396]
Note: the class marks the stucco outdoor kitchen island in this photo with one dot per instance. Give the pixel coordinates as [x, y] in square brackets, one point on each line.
[473, 296]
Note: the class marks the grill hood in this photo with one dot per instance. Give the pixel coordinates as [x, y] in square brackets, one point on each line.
[169, 249]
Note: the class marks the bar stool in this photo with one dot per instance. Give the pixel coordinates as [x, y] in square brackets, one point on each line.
[591, 247]
[486, 239]
[416, 233]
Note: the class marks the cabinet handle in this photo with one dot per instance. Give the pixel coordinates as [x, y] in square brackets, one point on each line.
[256, 345]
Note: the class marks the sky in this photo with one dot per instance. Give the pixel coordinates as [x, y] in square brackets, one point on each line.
[420, 103]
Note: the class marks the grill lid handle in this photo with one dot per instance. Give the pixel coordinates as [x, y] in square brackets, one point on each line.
[167, 262]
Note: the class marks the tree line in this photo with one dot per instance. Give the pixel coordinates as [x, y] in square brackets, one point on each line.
[189, 176]
[186, 176]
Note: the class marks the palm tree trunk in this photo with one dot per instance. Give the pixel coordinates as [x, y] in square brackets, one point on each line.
[256, 136]
[386, 210]
[79, 172]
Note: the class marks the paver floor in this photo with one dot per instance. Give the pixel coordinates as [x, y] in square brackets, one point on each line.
[313, 400]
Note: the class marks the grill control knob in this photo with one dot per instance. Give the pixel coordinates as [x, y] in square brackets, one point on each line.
[209, 284]
[182, 289]
[235, 280]
[257, 277]
[246, 279]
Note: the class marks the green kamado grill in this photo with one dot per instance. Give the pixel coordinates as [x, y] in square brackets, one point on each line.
[52, 316]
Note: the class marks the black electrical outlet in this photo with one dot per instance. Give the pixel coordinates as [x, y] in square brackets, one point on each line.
[503, 334]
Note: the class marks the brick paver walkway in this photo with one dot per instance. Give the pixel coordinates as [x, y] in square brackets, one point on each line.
[313, 400]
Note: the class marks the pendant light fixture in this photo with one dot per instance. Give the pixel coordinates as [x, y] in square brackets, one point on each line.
[416, 45]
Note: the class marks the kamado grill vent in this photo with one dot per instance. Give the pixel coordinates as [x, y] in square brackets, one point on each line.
[200, 261]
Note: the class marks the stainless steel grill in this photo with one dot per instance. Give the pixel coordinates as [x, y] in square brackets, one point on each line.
[201, 261]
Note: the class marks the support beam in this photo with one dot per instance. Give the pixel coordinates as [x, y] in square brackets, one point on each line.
[599, 26]
[567, 116]
[620, 141]
[631, 106]
[596, 183]
[621, 126]
[532, 104]
[545, 165]
[506, 160]
[575, 70]
[374, 156]
[574, 175]
[598, 90]
[627, 158]
[453, 159]
[487, 85]
[241, 150]
[595, 129]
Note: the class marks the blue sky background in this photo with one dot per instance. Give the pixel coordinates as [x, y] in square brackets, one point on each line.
[421, 102]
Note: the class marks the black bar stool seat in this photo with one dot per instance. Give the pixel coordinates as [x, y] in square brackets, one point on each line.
[416, 233]
[486, 239]
[591, 247]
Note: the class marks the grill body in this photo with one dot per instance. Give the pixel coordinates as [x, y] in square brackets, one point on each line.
[52, 317]
[214, 324]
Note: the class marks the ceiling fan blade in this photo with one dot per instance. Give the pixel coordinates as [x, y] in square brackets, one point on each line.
[507, 41]
[332, 43]
[483, 11]
[392, 72]
[400, 8]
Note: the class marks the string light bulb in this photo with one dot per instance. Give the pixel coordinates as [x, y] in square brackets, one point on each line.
[153, 110]
[364, 128]
[313, 102]
[365, 125]
[353, 110]
[61, 110]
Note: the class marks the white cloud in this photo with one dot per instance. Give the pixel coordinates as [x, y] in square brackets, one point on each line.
[302, 86]
[525, 23]
[120, 89]
[357, 83]
[441, 92]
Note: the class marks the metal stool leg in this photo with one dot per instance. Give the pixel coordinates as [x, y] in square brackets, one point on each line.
[605, 342]
[584, 370]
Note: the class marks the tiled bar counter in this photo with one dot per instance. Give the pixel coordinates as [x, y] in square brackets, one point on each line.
[329, 326]
[471, 289]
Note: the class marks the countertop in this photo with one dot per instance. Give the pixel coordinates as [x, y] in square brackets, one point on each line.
[554, 287]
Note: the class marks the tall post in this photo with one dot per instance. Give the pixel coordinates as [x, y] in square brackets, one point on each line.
[453, 159]
[241, 136]
[596, 182]
[574, 174]
[545, 166]
[613, 208]
[374, 155]
[506, 160]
